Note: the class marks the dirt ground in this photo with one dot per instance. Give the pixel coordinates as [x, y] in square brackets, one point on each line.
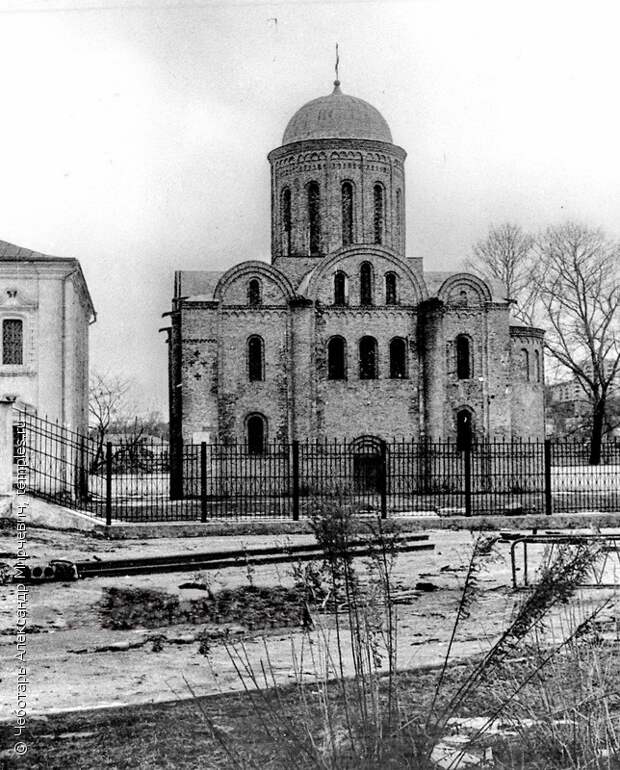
[74, 662]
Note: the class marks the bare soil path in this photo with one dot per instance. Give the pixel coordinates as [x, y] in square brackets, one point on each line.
[74, 662]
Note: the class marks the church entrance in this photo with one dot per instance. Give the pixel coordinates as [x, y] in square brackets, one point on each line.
[464, 429]
[368, 465]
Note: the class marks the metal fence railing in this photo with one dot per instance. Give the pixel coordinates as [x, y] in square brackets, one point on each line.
[143, 480]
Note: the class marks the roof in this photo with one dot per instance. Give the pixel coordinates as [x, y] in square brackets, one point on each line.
[337, 116]
[435, 278]
[9, 252]
[197, 284]
[19, 253]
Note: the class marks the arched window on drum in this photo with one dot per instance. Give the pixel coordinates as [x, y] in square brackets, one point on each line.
[347, 213]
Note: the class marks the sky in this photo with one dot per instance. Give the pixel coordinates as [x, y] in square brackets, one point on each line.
[134, 134]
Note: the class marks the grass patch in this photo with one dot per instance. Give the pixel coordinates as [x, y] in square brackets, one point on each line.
[255, 607]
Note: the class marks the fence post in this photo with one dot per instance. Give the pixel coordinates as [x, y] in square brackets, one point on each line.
[295, 459]
[203, 481]
[467, 458]
[108, 484]
[548, 498]
[6, 445]
[82, 472]
[384, 479]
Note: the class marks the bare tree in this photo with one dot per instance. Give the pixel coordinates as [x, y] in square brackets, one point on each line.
[107, 401]
[578, 301]
[506, 255]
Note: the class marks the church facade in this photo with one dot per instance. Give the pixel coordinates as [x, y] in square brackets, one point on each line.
[342, 335]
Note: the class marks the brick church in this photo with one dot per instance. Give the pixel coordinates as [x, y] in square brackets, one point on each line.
[343, 335]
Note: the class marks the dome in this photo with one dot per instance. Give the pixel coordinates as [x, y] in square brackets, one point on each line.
[337, 116]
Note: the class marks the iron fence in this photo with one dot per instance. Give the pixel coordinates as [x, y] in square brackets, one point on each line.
[138, 480]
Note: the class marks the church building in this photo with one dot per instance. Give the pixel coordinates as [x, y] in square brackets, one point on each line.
[45, 314]
[343, 336]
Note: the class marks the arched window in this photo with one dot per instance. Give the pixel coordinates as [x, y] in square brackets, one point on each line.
[340, 288]
[398, 359]
[256, 430]
[464, 362]
[337, 359]
[314, 217]
[347, 213]
[464, 429]
[379, 212]
[368, 358]
[391, 297]
[254, 292]
[537, 366]
[12, 341]
[525, 362]
[256, 359]
[366, 283]
[399, 217]
[285, 218]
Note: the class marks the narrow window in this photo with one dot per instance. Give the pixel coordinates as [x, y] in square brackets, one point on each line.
[256, 434]
[12, 341]
[366, 284]
[340, 288]
[254, 292]
[368, 358]
[285, 215]
[314, 217]
[398, 359]
[464, 432]
[537, 365]
[399, 218]
[336, 359]
[390, 289]
[379, 213]
[463, 358]
[347, 214]
[525, 357]
[256, 359]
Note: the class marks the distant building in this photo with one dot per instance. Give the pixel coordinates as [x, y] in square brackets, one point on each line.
[45, 312]
[568, 409]
[342, 335]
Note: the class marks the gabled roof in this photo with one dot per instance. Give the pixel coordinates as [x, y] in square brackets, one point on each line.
[9, 252]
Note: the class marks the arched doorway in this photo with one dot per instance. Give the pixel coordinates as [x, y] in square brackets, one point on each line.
[464, 429]
[368, 464]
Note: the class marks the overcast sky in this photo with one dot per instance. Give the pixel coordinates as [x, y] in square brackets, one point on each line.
[135, 134]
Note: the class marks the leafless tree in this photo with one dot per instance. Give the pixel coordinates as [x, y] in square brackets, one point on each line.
[507, 255]
[107, 401]
[578, 303]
